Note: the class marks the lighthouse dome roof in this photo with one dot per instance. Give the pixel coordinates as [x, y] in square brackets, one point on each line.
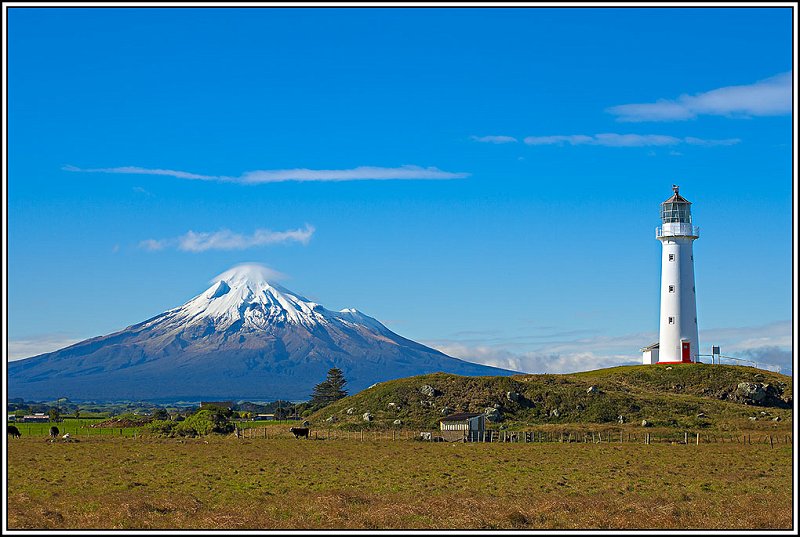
[676, 197]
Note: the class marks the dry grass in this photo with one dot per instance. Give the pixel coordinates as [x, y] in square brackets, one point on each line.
[222, 483]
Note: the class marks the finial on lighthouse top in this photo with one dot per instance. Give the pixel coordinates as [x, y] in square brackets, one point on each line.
[675, 188]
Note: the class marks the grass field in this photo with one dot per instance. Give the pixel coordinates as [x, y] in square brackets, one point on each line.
[282, 483]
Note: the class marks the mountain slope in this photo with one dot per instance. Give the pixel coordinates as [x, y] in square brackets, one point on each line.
[243, 338]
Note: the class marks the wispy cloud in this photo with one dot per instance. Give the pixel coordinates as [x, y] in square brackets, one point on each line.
[141, 171]
[361, 173]
[769, 97]
[225, 239]
[36, 345]
[610, 139]
[494, 139]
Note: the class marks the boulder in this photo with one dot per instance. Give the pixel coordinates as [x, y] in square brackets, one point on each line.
[428, 390]
[776, 418]
[351, 410]
[426, 404]
[513, 396]
[425, 436]
[668, 368]
[593, 389]
[620, 419]
[753, 418]
[645, 423]
[393, 406]
[701, 415]
[331, 419]
[447, 410]
[555, 413]
[398, 422]
[492, 414]
[751, 393]
[366, 416]
[306, 423]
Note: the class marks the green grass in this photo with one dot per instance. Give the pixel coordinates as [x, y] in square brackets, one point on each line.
[80, 426]
[283, 483]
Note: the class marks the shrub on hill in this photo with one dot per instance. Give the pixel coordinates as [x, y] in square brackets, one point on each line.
[200, 423]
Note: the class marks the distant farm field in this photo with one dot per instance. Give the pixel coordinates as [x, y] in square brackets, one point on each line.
[119, 482]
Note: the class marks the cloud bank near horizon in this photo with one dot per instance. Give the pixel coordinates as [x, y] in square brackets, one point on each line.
[255, 177]
[769, 97]
[768, 344]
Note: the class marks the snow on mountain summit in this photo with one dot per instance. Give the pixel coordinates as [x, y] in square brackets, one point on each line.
[244, 297]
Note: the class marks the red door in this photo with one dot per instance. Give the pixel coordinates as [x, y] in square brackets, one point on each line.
[686, 351]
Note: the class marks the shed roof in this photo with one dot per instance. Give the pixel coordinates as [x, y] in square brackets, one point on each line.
[650, 347]
[460, 416]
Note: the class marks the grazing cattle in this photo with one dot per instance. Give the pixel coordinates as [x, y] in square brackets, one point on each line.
[299, 431]
[13, 431]
[53, 431]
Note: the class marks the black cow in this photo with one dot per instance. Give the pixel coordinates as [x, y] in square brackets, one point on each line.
[13, 431]
[53, 431]
[299, 431]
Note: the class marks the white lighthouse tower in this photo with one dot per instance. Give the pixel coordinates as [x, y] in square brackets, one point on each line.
[677, 339]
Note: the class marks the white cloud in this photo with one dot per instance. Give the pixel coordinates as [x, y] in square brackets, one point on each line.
[36, 345]
[140, 171]
[769, 97]
[610, 139]
[225, 239]
[253, 271]
[495, 139]
[361, 173]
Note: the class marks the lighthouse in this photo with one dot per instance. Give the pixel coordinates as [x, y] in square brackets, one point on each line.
[677, 339]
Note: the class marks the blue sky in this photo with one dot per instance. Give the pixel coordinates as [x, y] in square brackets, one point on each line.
[485, 181]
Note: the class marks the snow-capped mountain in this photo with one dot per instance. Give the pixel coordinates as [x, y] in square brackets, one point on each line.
[243, 338]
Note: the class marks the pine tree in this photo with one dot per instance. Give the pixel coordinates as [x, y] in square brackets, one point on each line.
[329, 390]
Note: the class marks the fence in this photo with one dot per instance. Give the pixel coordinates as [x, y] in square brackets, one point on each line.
[489, 436]
[563, 437]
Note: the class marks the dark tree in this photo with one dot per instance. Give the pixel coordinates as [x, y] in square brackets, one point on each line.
[329, 390]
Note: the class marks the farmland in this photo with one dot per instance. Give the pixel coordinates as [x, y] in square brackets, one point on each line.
[119, 482]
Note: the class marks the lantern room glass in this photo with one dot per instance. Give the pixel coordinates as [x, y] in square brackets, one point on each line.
[676, 212]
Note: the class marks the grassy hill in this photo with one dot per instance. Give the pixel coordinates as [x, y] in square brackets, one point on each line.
[687, 396]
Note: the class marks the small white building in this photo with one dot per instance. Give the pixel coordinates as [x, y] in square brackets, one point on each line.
[650, 354]
[462, 424]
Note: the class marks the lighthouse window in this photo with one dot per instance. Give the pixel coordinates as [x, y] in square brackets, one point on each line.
[671, 288]
[671, 257]
[671, 320]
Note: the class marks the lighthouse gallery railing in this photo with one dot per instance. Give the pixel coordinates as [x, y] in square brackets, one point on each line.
[678, 230]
